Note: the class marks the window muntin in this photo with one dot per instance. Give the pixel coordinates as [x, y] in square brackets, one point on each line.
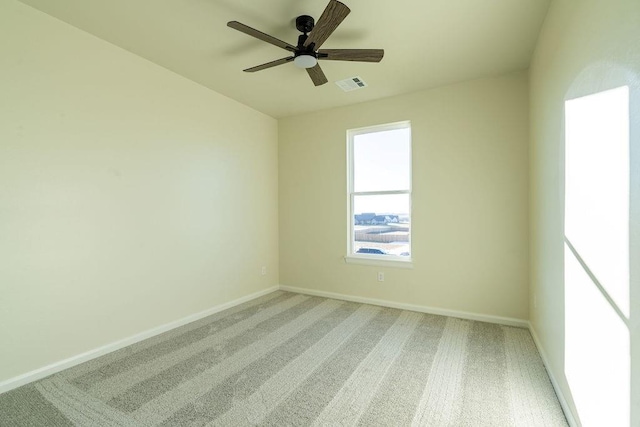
[379, 164]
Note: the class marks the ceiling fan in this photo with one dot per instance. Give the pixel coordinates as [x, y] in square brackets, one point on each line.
[307, 53]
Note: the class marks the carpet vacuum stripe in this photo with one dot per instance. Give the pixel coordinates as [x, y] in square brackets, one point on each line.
[97, 366]
[440, 402]
[151, 388]
[485, 369]
[526, 377]
[254, 408]
[353, 398]
[235, 388]
[118, 384]
[286, 359]
[163, 406]
[80, 409]
[306, 402]
[399, 393]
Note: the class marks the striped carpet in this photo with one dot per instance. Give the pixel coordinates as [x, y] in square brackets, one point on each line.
[290, 359]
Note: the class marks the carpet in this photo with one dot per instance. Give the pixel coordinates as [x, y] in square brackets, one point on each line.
[289, 359]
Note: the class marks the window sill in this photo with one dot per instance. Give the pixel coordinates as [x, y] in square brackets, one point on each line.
[379, 262]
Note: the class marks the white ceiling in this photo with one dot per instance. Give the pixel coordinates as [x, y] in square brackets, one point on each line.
[427, 43]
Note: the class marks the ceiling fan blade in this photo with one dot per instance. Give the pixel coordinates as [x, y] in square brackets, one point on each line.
[361, 55]
[269, 64]
[317, 76]
[260, 35]
[333, 15]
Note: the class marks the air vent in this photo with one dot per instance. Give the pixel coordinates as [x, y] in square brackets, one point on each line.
[350, 84]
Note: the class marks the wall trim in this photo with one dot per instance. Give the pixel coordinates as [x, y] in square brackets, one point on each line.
[568, 411]
[509, 321]
[56, 367]
[61, 365]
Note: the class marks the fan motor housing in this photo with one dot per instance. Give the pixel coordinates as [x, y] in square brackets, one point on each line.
[305, 23]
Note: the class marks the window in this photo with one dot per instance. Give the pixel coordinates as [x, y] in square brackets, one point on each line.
[379, 193]
[597, 340]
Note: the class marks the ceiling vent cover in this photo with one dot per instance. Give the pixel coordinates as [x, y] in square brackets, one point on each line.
[352, 83]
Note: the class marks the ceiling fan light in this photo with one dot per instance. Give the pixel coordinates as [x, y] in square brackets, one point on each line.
[305, 61]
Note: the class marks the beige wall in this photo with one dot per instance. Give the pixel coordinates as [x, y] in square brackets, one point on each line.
[129, 196]
[470, 204]
[586, 46]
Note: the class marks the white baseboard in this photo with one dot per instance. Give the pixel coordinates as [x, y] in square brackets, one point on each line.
[568, 412]
[571, 418]
[509, 321]
[56, 367]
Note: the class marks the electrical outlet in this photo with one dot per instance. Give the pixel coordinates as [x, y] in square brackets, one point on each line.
[263, 271]
[380, 276]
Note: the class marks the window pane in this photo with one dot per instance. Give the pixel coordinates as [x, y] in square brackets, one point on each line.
[597, 187]
[597, 346]
[382, 160]
[597, 351]
[381, 225]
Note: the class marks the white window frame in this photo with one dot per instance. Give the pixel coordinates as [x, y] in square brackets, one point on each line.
[373, 259]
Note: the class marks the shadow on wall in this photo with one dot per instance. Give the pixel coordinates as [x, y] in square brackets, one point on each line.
[602, 243]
